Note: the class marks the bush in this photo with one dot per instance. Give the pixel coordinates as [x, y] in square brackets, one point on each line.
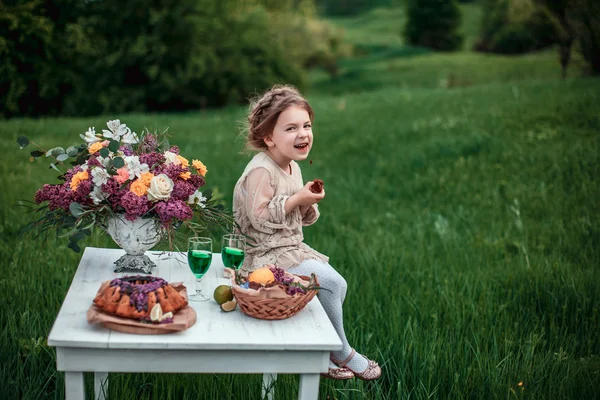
[433, 24]
[585, 19]
[352, 7]
[514, 27]
[40, 48]
[85, 58]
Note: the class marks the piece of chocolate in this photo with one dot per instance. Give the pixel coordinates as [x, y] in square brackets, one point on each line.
[317, 186]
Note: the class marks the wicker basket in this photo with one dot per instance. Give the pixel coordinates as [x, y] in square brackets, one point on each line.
[278, 308]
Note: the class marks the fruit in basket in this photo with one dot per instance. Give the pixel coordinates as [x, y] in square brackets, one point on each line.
[229, 306]
[262, 276]
[223, 294]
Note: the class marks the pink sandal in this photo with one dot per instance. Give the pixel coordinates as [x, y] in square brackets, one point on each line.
[372, 372]
[340, 374]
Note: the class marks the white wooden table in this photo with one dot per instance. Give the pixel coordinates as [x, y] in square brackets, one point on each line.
[219, 342]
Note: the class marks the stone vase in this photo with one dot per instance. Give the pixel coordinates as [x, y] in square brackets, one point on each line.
[135, 237]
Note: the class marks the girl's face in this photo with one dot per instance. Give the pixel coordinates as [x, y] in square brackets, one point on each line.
[292, 136]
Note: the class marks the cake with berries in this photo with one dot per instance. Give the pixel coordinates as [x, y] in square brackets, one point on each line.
[135, 297]
[317, 186]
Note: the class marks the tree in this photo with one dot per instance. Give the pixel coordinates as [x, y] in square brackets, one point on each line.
[577, 21]
[433, 24]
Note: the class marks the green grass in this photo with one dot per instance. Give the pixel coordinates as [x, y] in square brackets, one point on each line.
[382, 60]
[382, 27]
[455, 293]
[466, 222]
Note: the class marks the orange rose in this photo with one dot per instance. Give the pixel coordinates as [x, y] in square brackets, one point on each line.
[78, 178]
[138, 187]
[95, 147]
[200, 168]
[122, 175]
[146, 177]
[185, 175]
[183, 160]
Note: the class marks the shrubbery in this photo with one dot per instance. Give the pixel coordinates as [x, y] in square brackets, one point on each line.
[68, 57]
[513, 27]
[433, 24]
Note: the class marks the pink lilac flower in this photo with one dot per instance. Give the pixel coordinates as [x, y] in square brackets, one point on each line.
[174, 149]
[172, 170]
[197, 181]
[82, 194]
[126, 150]
[152, 159]
[173, 209]
[57, 196]
[182, 190]
[114, 192]
[149, 144]
[93, 162]
[135, 206]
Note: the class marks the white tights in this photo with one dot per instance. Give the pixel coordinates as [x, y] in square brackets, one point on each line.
[332, 300]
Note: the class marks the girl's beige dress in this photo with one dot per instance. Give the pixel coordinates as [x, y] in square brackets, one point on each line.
[273, 237]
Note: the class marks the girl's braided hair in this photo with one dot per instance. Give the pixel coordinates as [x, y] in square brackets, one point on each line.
[265, 110]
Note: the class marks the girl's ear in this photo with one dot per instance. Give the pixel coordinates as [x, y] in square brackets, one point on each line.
[269, 141]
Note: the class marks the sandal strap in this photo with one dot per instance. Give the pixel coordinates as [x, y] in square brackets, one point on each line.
[342, 364]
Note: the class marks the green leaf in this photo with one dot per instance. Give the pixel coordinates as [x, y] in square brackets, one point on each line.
[22, 141]
[104, 152]
[111, 171]
[76, 209]
[62, 157]
[37, 153]
[73, 246]
[55, 152]
[118, 162]
[72, 151]
[165, 145]
[114, 145]
[78, 236]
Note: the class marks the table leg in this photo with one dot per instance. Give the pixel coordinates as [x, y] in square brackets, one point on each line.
[100, 385]
[309, 387]
[74, 387]
[268, 386]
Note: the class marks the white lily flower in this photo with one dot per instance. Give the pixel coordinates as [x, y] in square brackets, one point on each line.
[97, 195]
[198, 199]
[129, 137]
[90, 136]
[132, 163]
[114, 125]
[116, 130]
[100, 176]
[104, 161]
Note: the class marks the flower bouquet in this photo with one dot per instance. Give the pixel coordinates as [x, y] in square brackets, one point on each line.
[124, 183]
[272, 293]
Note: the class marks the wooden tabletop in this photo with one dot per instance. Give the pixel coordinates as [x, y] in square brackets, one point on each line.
[310, 329]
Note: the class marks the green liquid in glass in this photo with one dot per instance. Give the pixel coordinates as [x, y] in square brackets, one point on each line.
[232, 257]
[199, 261]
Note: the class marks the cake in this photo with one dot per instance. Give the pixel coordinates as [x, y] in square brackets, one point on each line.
[135, 296]
[317, 186]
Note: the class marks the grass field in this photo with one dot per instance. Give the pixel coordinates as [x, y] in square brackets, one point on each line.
[465, 220]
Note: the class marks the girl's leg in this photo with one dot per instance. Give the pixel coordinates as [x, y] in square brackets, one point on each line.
[332, 300]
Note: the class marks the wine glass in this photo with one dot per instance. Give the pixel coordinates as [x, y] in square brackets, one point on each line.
[233, 250]
[199, 259]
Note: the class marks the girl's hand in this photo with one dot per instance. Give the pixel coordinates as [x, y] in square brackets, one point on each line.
[304, 198]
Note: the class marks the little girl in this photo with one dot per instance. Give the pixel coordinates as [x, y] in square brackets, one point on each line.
[271, 204]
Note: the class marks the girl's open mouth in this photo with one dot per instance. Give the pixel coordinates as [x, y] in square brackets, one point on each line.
[301, 146]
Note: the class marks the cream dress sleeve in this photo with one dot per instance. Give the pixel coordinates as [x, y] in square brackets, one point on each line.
[265, 211]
